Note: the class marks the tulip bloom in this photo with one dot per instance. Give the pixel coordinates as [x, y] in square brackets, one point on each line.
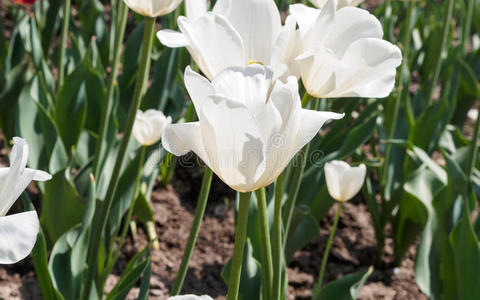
[342, 53]
[148, 126]
[236, 33]
[341, 3]
[190, 297]
[18, 232]
[152, 8]
[344, 181]
[250, 126]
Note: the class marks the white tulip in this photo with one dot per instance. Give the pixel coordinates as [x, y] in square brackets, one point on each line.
[18, 232]
[341, 3]
[342, 53]
[344, 181]
[190, 297]
[250, 126]
[152, 8]
[149, 125]
[236, 33]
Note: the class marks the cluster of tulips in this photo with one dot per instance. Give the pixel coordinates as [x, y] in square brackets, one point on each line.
[252, 120]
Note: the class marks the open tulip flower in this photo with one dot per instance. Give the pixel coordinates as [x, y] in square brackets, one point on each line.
[148, 126]
[152, 8]
[249, 128]
[236, 33]
[18, 232]
[342, 54]
[344, 181]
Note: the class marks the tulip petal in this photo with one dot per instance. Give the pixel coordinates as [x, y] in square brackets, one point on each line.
[311, 122]
[286, 49]
[240, 156]
[257, 21]
[195, 8]
[18, 234]
[198, 87]
[179, 139]
[152, 8]
[367, 69]
[305, 16]
[344, 181]
[249, 86]
[351, 24]
[172, 39]
[213, 43]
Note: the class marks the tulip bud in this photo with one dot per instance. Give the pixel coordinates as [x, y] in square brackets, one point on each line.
[148, 126]
[152, 8]
[344, 181]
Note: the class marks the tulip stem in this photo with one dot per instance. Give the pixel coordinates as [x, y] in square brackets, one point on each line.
[108, 105]
[443, 45]
[63, 42]
[126, 223]
[318, 288]
[396, 105]
[306, 99]
[192, 237]
[266, 248]
[144, 68]
[277, 238]
[299, 168]
[240, 238]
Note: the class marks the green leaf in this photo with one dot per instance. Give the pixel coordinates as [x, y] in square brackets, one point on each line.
[130, 277]
[305, 229]
[345, 288]
[40, 262]
[70, 106]
[62, 206]
[466, 251]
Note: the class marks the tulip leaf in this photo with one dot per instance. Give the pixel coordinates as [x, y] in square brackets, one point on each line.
[36, 126]
[60, 196]
[466, 251]
[70, 106]
[305, 229]
[345, 288]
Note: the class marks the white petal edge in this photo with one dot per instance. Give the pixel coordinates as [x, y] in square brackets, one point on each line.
[172, 39]
[18, 234]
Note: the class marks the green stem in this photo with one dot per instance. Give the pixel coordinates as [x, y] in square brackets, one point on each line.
[192, 238]
[128, 217]
[277, 238]
[443, 45]
[401, 90]
[327, 251]
[266, 248]
[306, 98]
[467, 26]
[108, 106]
[102, 219]
[299, 169]
[240, 238]
[63, 42]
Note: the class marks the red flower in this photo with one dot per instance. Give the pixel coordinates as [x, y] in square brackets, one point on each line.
[24, 2]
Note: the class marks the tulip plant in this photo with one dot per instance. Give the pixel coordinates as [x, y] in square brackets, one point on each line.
[273, 97]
